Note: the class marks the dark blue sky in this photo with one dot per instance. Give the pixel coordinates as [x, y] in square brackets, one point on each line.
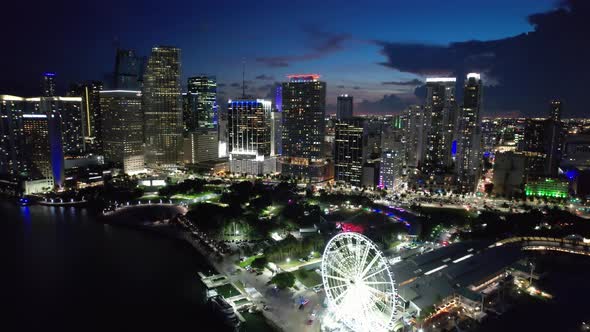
[354, 46]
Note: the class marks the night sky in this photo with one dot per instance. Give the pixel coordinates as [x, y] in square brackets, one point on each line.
[379, 51]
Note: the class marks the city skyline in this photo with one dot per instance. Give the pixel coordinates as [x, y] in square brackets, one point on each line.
[383, 64]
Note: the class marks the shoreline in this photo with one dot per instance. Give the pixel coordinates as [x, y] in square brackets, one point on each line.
[185, 237]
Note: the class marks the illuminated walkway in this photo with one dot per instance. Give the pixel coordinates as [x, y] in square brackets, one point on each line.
[548, 243]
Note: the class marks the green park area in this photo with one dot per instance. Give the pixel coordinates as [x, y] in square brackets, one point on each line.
[227, 290]
[247, 261]
[309, 278]
[204, 196]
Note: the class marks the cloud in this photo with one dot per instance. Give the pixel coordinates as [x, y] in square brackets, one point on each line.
[221, 85]
[236, 85]
[356, 87]
[264, 77]
[414, 82]
[389, 104]
[320, 44]
[341, 87]
[522, 72]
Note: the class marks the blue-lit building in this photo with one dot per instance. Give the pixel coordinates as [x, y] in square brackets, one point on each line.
[48, 85]
[32, 144]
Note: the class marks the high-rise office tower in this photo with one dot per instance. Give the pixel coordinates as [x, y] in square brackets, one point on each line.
[276, 132]
[532, 145]
[90, 94]
[200, 146]
[48, 85]
[71, 117]
[390, 172]
[129, 68]
[348, 151]
[553, 138]
[37, 145]
[440, 117]
[304, 111]
[162, 108]
[344, 107]
[12, 162]
[32, 136]
[468, 139]
[279, 98]
[189, 112]
[122, 124]
[204, 112]
[414, 135]
[249, 136]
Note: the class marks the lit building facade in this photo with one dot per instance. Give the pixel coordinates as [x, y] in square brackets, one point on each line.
[91, 114]
[48, 85]
[553, 138]
[439, 123]
[249, 136]
[468, 137]
[276, 132]
[122, 123]
[32, 144]
[304, 111]
[12, 161]
[162, 108]
[344, 106]
[348, 151]
[201, 146]
[414, 135]
[70, 112]
[390, 172]
[203, 106]
[550, 188]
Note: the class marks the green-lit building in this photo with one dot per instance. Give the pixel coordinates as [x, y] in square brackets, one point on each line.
[547, 188]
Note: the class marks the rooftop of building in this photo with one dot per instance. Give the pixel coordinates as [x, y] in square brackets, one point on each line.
[429, 278]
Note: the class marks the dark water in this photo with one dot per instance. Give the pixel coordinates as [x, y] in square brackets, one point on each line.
[63, 270]
[567, 278]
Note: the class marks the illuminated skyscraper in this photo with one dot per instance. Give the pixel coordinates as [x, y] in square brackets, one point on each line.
[249, 136]
[91, 113]
[162, 108]
[48, 85]
[553, 138]
[72, 124]
[390, 172]
[122, 123]
[414, 135]
[200, 146]
[348, 151]
[12, 161]
[344, 106]
[468, 153]
[439, 120]
[203, 114]
[32, 136]
[304, 111]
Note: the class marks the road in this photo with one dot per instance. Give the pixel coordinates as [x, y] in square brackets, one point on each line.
[283, 304]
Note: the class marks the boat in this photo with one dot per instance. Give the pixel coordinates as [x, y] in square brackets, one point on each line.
[225, 311]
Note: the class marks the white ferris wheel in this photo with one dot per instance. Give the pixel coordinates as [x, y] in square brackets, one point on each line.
[358, 283]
